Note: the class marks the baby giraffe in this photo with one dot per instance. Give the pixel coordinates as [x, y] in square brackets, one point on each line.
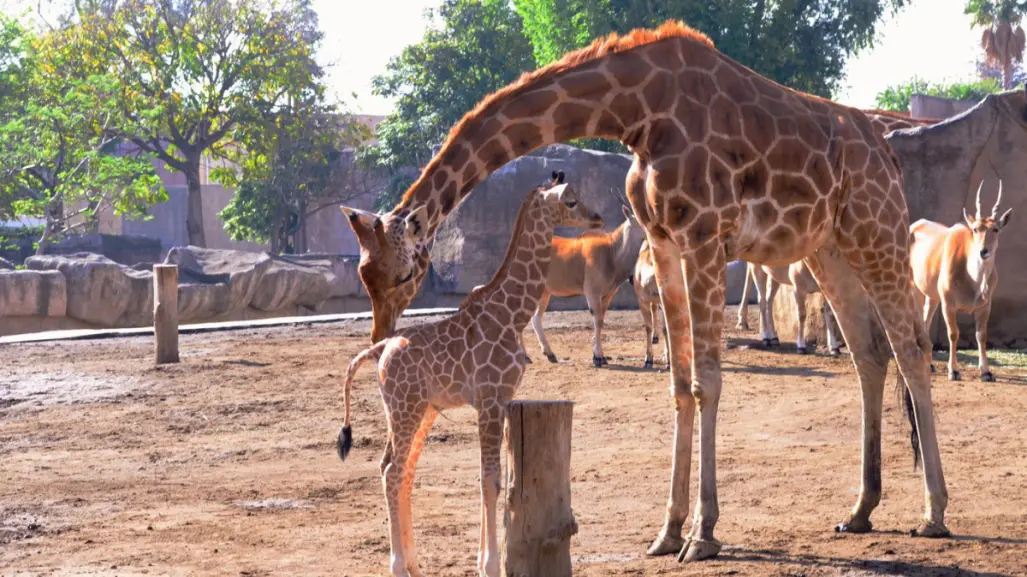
[474, 357]
[955, 267]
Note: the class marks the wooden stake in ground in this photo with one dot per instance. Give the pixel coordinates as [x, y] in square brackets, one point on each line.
[165, 313]
[539, 521]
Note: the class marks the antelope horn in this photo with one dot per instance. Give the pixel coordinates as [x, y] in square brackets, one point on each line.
[979, 187]
[998, 201]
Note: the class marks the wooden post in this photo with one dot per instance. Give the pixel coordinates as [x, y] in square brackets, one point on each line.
[165, 313]
[538, 519]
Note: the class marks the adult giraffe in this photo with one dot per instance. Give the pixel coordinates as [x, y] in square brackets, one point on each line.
[727, 164]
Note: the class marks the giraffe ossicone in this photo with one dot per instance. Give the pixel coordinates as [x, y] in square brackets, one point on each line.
[474, 357]
[727, 164]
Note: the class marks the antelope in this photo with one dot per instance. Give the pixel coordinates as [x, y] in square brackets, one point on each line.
[797, 276]
[955, 267]
[593, 264]
[648, 294]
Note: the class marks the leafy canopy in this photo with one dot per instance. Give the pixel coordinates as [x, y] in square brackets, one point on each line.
[471, 48]
[802, 44]
[898, 97]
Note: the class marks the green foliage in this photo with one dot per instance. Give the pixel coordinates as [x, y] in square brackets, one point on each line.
[471, 48]
[897, 98]
[191, 71]
[57, 139]
[800, 43]
[987, 13]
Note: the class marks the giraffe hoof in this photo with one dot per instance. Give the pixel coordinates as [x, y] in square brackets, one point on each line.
[767, 343]
[648, 364]
[774, 342]
[551, 357]
[597, 361]
[932, 368]
[665, 545]
[953, 375]
[742, 326]
[800, 350]
[656, 339]
[853, 525]
[699, 549]
[836, 352]
[987, 377]
[930, 530]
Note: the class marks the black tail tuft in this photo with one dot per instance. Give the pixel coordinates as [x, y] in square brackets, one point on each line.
[345, 442]
[914, 436]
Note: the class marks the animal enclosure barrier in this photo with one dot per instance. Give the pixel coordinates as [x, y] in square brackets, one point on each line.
[539, 521]
[165, 313]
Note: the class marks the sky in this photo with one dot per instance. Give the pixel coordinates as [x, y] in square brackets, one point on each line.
[931, 39]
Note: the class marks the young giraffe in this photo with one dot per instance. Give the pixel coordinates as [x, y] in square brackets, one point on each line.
[474, 357]
[727, 164]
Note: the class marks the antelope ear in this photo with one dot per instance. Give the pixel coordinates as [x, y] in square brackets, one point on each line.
[1002, 220]
[627, 211]
[966, 217]
[417, 224]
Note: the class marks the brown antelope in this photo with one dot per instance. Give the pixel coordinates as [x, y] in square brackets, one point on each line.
[593, 264]
[955, 267]
[648, 294]
[797, 276]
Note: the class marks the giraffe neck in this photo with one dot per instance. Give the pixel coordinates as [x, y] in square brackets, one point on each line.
[597, 94]
[518, 284]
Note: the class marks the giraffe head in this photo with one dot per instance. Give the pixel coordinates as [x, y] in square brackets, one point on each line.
[569, 210]
[986, 229]
[394, 251]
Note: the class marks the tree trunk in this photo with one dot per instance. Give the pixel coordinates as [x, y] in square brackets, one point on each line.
[1007, 73]
[194, 205]
[539, 521]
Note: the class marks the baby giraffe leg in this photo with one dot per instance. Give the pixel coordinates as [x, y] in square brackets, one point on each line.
[402, 427]
[407, 528]
[536, 325]
[490, 437]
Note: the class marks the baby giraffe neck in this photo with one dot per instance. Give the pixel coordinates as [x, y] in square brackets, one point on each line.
[521, 279]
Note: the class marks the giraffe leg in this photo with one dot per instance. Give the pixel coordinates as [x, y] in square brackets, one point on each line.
[888, 282]
[666, 339]
[490, 437]
[670, 280]
[981, 317]
[948, 312]
[833, 346]
[407, 528]
[648, 320]
[800, 331]
[771, 292]
[706, 294]
[743, 306]
[402, 428]
[870, 357]
[536, 324]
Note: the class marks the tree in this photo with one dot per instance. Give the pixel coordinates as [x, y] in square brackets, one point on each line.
[58, 150]
[898, 97]
[292, 163]
[1003, 39]
[802, 44]
[192, 70]
[471, 48]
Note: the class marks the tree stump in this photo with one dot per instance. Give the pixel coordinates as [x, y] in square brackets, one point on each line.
[165, 313]
[539, 521]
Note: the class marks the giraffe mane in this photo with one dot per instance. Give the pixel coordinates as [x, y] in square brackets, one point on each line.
[501, 273]
[599, 48]
[901, 115]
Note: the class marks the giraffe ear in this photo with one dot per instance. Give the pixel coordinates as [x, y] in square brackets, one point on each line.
[417, 224]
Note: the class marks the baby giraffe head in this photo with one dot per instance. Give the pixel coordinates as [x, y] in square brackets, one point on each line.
[985, 229]
[568, 210]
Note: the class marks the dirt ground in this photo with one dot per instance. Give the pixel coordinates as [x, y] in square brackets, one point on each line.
[225, 463]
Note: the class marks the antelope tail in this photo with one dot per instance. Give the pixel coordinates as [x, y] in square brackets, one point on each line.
[345, 441]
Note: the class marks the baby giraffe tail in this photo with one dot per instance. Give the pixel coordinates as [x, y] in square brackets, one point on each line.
[345, 442]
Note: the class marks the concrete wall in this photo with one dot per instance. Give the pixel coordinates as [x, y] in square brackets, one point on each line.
[923, 106]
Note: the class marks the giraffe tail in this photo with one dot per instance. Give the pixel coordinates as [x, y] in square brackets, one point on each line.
[345, 441]
[907, 402]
